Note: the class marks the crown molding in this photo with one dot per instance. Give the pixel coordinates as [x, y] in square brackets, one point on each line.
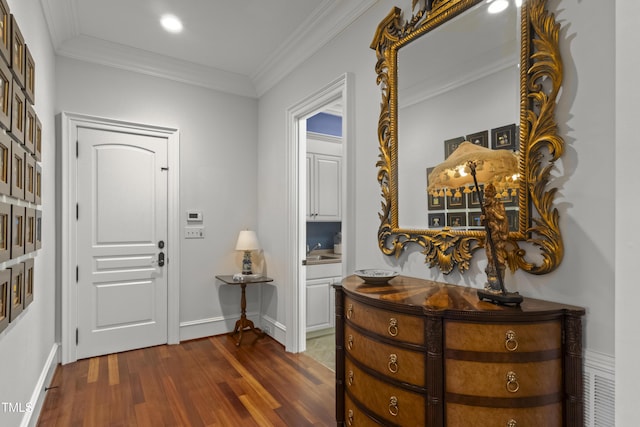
[328, 20]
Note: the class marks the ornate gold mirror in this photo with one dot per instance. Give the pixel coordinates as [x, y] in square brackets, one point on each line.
[452, 72]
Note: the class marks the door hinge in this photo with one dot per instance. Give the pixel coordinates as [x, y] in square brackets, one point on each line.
[164, 168]
[77, 149]
[77, 273]
[76, 336]
[77, 211]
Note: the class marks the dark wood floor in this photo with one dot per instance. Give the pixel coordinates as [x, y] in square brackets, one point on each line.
[206, 382]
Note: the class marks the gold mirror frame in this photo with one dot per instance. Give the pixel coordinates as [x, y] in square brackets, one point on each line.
[540, 145]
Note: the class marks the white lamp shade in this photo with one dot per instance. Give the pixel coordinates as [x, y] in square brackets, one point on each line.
[247, 241]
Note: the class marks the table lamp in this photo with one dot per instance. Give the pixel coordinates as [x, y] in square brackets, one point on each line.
[498, 171]
[247, 242]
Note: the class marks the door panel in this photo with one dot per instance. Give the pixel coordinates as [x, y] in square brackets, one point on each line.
[122, 215]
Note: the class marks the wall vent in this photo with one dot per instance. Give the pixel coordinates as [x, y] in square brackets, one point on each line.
[599, 390]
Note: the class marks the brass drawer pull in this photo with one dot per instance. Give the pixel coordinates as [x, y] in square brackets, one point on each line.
[350, 378]
[393, 406]
[350, 417]
[512, 423]
[511, 342]
[512, 382]
[393, 327]
[393, 363]
[350, 342]
[349, 311]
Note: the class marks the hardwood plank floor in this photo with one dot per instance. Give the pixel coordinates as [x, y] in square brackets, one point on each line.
[205, 382]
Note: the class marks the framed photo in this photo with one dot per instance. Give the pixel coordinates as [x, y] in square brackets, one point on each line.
[6, 96]
[5, 286]
[457, 219]
[17, 112]
[5, 231]
[38, 229]
[512, 218]
[16, 293]
[38, 139]
[17, 52]
[473, 199]
[434, 203]
[479, 138]
[30, 129]
[29, 76]
[5, 163]
[474, 219]
[454, 202]
[5, 35]
[29, 178]
[17, 231]
[504, 138]
[30, 230]
[17, 170]
[28, 282]
[450, 145]
[436, 220]
[511, 199]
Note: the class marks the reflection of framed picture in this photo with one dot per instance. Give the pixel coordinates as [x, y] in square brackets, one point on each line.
[474, 200]
[504, 138]
[436, 220]
[511, 199]
[450, 145]
[474, 219]
[512, 217]
[456, 219]
[434, 203]
[454, 202]
[479, 138]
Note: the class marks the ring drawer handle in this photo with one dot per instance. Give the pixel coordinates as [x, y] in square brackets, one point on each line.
[350, 378]
[393, 406]
[512, 423]
[393, 327]
[393, 363]
[512, 382]
[511, 342]
[349, 311]
[350, 417]
[350, 342]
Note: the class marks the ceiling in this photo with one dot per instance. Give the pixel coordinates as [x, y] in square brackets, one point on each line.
[242, 47]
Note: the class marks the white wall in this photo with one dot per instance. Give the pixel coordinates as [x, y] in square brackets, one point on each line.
[27, 343]
[585, 197]
[218, 145]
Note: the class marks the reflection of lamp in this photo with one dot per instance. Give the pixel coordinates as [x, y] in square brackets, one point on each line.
[247, 242]
[498, 170]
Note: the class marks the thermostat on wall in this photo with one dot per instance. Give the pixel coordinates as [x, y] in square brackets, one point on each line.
[194, 216]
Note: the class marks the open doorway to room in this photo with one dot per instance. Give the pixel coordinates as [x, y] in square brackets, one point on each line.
[319, 212]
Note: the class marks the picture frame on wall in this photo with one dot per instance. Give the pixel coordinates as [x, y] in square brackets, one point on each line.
[6, 96]
[479, 138]
[436, 220]
[434, 203]
[456, 202]
[17, 52]
[512, 219]
[5, 163]
[504, 137]
[5, 231]
[456, 219]
[473, 199]
[28, 281]
[474, 219]
[16, 293]
[5, 287]
[29, 75]
[450, 145]
[511, 199]
[5, 35]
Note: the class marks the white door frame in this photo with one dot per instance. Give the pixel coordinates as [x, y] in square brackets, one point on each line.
[342, 87]
[69, 124]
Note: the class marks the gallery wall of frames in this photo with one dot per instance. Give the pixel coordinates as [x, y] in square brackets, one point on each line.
[20, 171]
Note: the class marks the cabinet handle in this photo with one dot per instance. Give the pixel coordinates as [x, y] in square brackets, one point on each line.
[350, 342]
[393, 406]
[350, 378]
[512, 382]
[393, 363]
[349, 311]
[350, 417]
[393, 327]
[511, 342]
[512, 423]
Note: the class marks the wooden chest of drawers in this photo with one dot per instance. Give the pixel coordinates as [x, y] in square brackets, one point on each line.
[417, 352]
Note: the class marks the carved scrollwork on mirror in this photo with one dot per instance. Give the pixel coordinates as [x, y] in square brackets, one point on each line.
[539, 78]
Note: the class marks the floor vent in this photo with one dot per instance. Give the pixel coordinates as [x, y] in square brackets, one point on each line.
[599, 390]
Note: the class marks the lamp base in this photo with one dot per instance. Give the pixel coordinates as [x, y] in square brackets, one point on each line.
[507, 298]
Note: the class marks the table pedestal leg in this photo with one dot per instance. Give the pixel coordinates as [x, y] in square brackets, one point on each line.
[244, 324]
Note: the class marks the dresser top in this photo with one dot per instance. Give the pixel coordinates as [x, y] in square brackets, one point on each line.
[418, 296]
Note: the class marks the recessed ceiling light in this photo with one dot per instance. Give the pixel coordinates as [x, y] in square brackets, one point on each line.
[498, 6]
[171, 23]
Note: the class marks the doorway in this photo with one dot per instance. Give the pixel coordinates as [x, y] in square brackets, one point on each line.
[337, 92]
[118, 234]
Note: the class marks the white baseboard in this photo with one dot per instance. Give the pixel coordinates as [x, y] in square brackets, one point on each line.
[37, 397]
[274, 329]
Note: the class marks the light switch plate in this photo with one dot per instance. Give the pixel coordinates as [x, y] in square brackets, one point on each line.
[194, 232]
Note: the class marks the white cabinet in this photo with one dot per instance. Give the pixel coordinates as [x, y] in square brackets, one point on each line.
[324, 187]
[321, 295]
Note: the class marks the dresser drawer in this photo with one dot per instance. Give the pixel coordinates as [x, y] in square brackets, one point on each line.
[394, 404]
[397, 326]
[494, 379]
[354, 417]
[474, 416]
[503, 338]
[397, 363]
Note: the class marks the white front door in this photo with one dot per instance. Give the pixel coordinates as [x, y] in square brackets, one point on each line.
[121, 238]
